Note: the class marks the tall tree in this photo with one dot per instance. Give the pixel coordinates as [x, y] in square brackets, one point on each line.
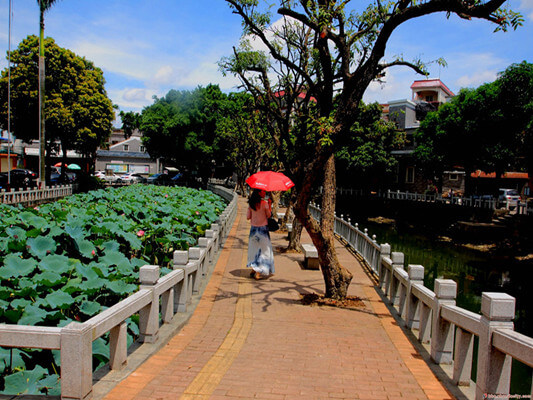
[44, 5]
[346, 51]
[79, 113]
[130, 122]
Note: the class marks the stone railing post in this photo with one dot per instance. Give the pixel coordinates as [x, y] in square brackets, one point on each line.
[397, 262]
[493, 366]
[385, 251]
[149, 315]
[118, 346]
[195, 254]
[442, 330]
[76, 362]
[411, 312]
[184, 287]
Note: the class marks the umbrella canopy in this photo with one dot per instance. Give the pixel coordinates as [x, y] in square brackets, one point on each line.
[270, 181]
[58, 164]
[74, 166]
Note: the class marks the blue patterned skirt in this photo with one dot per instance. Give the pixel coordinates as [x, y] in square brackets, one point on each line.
[260, 255]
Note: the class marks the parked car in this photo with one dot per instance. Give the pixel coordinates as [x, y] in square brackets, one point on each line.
[508, 197]
[20, 178]
[159, 179]
[108, 177]
[133, 178]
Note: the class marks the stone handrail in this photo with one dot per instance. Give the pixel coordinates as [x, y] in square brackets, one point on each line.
[33, 196]
[172, 291]
[448, 329]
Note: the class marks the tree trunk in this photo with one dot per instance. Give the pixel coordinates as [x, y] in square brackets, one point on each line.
[295, 236]
[336, 278]
[275, 196]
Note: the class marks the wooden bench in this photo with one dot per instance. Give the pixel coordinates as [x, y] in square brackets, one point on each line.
[310, 256]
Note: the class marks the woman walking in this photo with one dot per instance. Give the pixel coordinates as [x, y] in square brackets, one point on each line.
[260, 255]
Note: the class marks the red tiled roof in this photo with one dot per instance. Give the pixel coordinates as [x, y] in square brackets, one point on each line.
[431, 83]
[506, 175]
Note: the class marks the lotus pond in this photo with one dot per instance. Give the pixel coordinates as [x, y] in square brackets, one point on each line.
[69, 260]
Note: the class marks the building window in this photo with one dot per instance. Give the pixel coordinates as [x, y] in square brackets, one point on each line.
[429, 98]
[142, 149]
[126, 147]
[454, 177]
[410, 175]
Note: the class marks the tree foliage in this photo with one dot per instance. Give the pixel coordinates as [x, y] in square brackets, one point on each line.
[366, 153]
[180, 128]
[488, 128]
[78, 112]
[130, 122]
[336, 49]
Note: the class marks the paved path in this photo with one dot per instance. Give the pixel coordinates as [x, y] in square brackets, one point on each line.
[252, 339]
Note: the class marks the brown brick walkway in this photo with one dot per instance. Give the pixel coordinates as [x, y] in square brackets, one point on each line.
[252, 339]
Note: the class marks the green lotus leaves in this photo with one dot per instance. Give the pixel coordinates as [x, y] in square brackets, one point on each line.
[33, 315]
[90, 308]
[41, 246]
[16, 233]
[59, 299]
[48, 278]
[70, 260]
[30, 382]
[121, 287]
[11, 358]
[14, 266]
[57, 263]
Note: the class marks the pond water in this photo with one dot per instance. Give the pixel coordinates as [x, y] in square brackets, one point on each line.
[473, 271]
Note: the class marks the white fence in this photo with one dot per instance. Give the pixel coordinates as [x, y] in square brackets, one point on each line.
[32, 196]
[448, 329]
[156, 296]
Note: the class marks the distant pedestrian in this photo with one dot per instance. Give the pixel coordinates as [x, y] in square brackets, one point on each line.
[260, 254]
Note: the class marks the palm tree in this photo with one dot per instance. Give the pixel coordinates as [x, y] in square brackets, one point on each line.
[44, 5]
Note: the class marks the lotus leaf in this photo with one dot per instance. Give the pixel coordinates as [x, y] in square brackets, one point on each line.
[92, 284]
[72, 286]
[86, 248]
[51, 385]
[134, 242]
[59, 299]
[12, 358]
[3, 305]
[32, 220]
[90, 308]
[57, 263]
[76, 232]
[20, 304]
[111, 245]
[41, 246]
[121, 287]
[55, 231]
[100, 352]
[113, 258]
[32, 315]
[14, 266]
[16, 233]
[86, 271]
[25, 382]
[48, 278]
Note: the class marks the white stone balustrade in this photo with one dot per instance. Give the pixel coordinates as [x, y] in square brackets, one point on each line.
[34, 196]
[436, 317]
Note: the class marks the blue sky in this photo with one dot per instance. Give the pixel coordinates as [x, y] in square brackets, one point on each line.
[146, 48]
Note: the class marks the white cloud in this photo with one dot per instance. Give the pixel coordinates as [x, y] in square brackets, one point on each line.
[527, 5]
[477, 79]
[134, 95]
[164, 75]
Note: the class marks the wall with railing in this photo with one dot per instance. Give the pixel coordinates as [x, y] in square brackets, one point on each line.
[34, 196]
[492, 203]
[156, 302]
[437, 321]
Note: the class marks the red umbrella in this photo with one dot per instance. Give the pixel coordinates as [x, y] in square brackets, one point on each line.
[58, 164]
[270, 181]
